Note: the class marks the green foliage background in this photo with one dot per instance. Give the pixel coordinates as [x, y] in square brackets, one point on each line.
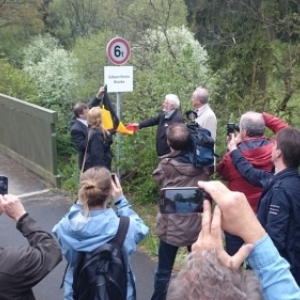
[245, 52]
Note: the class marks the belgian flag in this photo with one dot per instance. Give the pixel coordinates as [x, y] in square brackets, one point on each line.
[109, 117]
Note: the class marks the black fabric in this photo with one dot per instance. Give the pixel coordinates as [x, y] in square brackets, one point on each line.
[108, 106]
[254, 144]
[162, 123]
[99, 153]
[79, 133]
[201, 149]
[102, 273]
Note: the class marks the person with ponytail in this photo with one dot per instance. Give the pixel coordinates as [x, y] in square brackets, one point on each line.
[91, 222]
[99, 140]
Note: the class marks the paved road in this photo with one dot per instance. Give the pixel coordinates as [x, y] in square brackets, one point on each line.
[47, 207]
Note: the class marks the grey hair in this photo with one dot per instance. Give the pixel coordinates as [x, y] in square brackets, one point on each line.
[173, 100]
[253, 123]
[201, 95]
[204, 277]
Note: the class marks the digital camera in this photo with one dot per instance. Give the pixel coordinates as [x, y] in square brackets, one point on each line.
[232, 128]
[176, 200]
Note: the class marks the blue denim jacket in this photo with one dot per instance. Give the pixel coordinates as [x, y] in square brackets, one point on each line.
[277, 282]
[75, 233]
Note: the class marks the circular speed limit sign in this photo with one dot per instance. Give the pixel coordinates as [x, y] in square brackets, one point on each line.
[118, 51]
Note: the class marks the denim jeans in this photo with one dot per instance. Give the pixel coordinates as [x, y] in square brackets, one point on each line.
[166, 258]
[233, 243]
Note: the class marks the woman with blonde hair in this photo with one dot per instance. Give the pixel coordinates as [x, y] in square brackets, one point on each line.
[91, 223]
[98, 152]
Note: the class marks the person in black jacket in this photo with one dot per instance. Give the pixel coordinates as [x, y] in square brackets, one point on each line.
[98, 153]
[21, 268]
[79, 126]
[279, 204]
[163, 120]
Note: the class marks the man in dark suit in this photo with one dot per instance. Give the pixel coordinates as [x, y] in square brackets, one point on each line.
[79, 125]
[170, 115]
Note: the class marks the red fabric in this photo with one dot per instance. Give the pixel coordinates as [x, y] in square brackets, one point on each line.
[132, 128]
[260, 158]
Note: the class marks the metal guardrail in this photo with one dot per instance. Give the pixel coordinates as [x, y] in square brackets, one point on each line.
[27, 135]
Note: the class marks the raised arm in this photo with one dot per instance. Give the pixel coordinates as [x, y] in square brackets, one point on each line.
[251, 174]
[277, 281]
[26, 266]
[124, 209]
[274, 123]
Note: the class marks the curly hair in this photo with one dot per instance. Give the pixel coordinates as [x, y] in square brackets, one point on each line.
[204, 277]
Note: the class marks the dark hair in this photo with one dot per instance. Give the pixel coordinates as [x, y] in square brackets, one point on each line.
[79, 108]
[178, 136]
[288, 141]
[204, 277]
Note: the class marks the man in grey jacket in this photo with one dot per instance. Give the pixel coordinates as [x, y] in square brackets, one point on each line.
[21, 268]
[175, 230]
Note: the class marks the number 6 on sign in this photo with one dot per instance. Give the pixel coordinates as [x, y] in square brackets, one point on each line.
[118, 51]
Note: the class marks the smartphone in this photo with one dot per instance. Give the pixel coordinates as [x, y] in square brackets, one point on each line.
[182, 200]
[113, 177]
[3, 185]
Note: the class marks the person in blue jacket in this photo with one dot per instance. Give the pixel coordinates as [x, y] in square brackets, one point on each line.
[279, 205]
[91, 223]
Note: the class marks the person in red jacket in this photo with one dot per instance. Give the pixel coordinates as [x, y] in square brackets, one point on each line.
[257, 149]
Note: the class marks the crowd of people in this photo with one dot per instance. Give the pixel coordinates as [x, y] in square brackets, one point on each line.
[257, 212]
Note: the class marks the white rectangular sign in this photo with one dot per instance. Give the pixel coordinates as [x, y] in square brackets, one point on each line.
[118, 79]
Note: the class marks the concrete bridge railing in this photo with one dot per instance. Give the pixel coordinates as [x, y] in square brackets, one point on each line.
[27, 135]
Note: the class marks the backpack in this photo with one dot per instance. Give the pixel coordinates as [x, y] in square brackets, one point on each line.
[102, 273]
[201, 146]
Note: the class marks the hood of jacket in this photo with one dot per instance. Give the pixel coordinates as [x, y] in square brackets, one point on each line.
[87, 233]
[257, 151]
[179, 171]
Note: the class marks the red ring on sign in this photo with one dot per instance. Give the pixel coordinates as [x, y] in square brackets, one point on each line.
[111, 44]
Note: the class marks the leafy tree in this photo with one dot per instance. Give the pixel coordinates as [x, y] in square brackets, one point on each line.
[21, 12]
[251, 43]
[52, 68]
[70, 19]
[15, 82]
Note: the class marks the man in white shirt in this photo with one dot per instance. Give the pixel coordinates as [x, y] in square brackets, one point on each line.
[206, 118]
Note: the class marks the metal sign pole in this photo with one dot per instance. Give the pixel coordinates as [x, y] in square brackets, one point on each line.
[118, 136]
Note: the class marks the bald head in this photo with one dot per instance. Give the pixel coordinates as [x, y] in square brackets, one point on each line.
[253, 124]
[199, 97]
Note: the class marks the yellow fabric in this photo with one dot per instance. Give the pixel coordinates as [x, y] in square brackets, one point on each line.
[107, 119]
[123, 130]
[108, 122]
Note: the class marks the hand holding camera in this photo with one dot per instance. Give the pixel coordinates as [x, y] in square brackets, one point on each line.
[232, 128]
[12, 206]
[182, 200]
[3, 185]
[116, 190]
